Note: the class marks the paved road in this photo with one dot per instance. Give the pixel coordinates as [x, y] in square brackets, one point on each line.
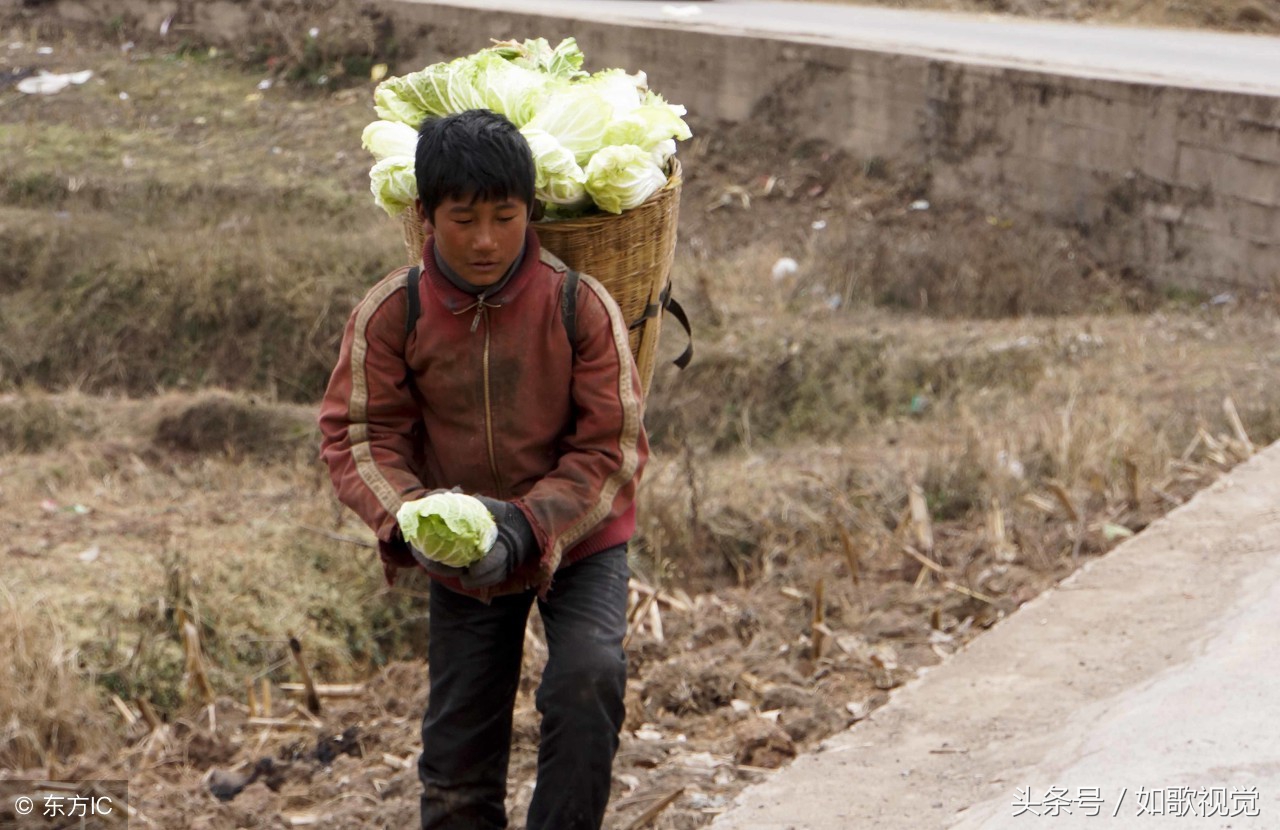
[1237, 62]
[1142, 692]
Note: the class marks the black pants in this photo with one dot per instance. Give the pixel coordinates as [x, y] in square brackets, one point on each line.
[474, 657]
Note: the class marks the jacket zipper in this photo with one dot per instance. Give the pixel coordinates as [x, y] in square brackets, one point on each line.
[488, 405]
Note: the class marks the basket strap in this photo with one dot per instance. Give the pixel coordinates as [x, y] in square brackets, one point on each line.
[569, 308]
[412, 311]
[677, 311]
[668, 303]
[411, 315]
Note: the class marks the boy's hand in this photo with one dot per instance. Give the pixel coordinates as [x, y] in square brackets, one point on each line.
[515, 543]
[431, 566]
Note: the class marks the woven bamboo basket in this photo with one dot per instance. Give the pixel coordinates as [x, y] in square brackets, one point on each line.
[629, 253]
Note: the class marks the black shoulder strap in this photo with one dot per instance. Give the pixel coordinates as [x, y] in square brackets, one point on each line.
[666, 302]
[677, 311]
[569, 308]
[414, 308]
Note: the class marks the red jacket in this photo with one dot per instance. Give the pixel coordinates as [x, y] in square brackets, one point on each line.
[503, 408]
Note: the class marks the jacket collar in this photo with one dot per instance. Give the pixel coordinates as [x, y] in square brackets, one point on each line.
[456, 293]
[475, 290]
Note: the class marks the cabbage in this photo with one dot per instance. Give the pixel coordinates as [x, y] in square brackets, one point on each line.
[393, 184]
[622, 177]
[647, 126]
[577, 116]
[453, 529]
[418, 95]
[389, 138]
[559, 180]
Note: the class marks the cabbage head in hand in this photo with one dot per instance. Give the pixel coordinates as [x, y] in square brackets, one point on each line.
[453, 529]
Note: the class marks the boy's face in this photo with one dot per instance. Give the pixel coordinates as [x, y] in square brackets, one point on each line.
[479, 239]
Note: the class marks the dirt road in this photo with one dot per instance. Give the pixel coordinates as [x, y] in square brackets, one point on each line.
[1140, 692]
[1173, 56]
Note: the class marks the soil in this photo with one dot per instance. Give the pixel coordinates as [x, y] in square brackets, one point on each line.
[816, 585]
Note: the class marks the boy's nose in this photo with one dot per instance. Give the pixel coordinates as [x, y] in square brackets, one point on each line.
[484, 239]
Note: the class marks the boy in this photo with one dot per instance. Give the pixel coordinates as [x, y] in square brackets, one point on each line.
[488, 395]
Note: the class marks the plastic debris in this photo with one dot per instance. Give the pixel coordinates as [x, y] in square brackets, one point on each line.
[784, 267]
[44, 50]
[702, 801]
[1113, 532]
[48, 83]
[920, 204]
[648, 732]
[1010, 464]
[819, 224]
[90, 554]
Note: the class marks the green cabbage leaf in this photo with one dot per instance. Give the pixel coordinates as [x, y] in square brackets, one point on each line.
[577, 116]
[419, 95]
[564, 61]
[647, 126]
[507, 88]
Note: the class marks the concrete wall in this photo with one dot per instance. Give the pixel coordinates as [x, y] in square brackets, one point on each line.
[1182, 183]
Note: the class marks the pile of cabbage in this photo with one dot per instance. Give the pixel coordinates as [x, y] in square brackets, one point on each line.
[600, 141]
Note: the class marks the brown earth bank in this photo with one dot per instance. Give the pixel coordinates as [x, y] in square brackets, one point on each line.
[923, 419]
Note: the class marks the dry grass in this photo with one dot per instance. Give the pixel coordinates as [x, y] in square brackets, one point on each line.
[911, 349]
[154, 509]
[50, 708]
[230, 232]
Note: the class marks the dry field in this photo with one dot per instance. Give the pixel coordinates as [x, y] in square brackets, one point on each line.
[937, 415]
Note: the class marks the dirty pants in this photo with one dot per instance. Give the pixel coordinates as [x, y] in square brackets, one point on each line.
[474, 656]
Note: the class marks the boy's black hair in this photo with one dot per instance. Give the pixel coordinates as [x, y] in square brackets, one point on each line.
[477, 154]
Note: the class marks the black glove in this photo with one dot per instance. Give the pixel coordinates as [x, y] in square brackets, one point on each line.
[514, 545]
[431, 566]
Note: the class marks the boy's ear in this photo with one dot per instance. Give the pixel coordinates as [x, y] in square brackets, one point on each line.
[426, 220]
